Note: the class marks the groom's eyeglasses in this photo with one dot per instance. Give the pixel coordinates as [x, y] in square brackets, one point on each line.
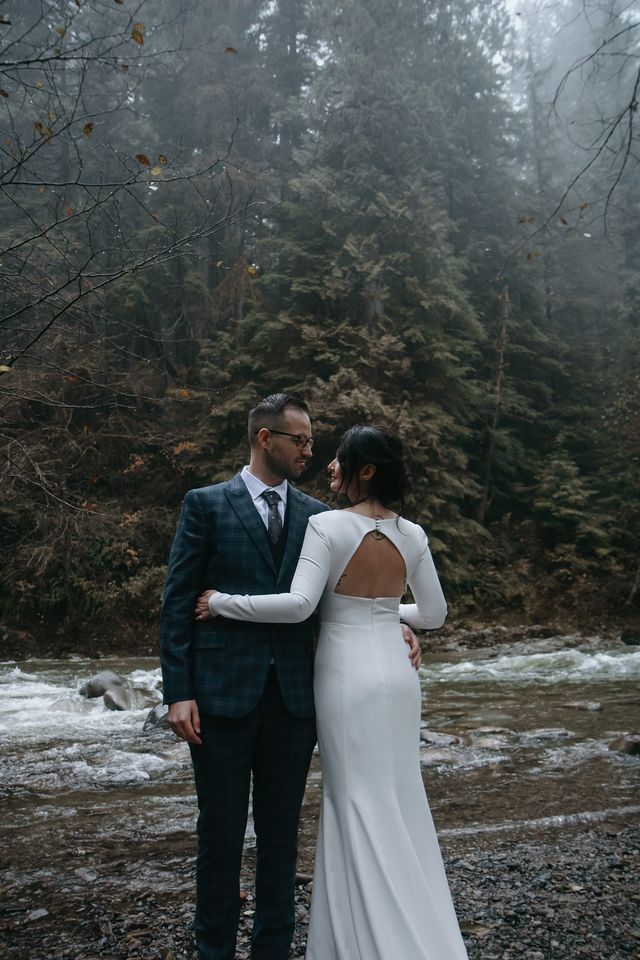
[300, 440]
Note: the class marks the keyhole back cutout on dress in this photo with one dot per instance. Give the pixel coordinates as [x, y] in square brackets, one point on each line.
[375, 569]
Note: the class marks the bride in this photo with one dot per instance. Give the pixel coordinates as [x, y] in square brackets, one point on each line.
[379, 889]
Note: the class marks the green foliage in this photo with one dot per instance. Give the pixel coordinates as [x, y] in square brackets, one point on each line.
[384, 273]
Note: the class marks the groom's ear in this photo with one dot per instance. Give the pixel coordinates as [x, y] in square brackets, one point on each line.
[262, 438]
[367, 472]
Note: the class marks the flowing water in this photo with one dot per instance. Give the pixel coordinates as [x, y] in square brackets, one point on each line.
[531, 725]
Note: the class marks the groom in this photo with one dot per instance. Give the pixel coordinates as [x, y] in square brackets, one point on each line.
[241, 693]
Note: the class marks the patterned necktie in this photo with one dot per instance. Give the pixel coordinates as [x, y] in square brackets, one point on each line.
[274, 521]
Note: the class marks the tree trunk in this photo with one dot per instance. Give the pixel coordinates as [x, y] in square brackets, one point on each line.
[501, 349]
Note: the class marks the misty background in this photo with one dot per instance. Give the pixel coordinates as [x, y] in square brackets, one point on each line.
[424, 214]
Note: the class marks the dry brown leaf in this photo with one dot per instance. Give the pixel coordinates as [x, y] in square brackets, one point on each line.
[162, 160]
[3, 93]
[87, 129]
[136, 33]
[230, 50]
[185, 446]
[61, 31]
[143, 159]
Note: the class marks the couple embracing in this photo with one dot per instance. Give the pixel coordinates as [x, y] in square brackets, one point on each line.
[254, 558]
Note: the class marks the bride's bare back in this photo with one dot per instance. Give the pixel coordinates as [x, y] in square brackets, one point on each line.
[376, 569]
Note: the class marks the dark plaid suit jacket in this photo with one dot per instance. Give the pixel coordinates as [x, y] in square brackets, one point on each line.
[222, 542]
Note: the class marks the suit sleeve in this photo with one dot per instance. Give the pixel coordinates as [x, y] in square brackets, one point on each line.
[306, 588]
[184, 578]
[430, 609]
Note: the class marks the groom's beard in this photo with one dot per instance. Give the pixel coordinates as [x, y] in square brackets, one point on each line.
[287, 467]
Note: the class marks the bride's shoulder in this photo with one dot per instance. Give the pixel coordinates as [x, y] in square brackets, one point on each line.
[326, 525]
[411, 529]
[326, 520]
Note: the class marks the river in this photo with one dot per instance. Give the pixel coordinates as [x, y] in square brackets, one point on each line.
[532, 722]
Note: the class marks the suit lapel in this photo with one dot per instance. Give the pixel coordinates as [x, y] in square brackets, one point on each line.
[241, 503]
[297, 520]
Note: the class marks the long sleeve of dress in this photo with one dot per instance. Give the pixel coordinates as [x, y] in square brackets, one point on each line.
[306, 588]
[430, 609]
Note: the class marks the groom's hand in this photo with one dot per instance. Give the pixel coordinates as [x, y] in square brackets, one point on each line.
[415, 654]
[184, 720]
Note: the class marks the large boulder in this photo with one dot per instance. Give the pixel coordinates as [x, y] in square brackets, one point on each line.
[101, 682]
[117, 698]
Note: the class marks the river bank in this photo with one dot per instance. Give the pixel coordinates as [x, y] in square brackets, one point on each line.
[557, 894]
[142, 640]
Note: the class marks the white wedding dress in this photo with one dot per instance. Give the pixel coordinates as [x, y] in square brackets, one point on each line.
[379, 890]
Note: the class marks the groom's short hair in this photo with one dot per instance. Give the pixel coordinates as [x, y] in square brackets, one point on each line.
[268, 412]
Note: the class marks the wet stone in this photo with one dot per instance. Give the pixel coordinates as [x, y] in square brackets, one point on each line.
[486, 741]
[437, 739]
[117, 699]
[157, 719]
[593, 706]
[628, 743]
[546, 733]
[433, 757]
[98, 685]
[36, 914]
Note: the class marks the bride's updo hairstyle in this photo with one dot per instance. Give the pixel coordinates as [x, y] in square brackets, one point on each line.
[362, 445]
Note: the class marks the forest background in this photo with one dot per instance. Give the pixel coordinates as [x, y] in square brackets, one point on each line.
[413, 212]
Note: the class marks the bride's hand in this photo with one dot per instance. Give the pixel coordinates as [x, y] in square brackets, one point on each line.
[202, 605]
[415, 655]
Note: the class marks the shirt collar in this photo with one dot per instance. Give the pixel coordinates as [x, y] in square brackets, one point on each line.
[256, 487]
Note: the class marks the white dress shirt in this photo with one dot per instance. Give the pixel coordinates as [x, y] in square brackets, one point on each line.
[256, 488]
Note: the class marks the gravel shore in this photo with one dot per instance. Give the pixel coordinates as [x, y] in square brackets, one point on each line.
[564, 894]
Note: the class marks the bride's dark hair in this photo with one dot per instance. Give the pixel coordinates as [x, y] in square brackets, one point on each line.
[361, 445]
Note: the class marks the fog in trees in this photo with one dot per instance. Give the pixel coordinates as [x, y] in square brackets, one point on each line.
[415, 212]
